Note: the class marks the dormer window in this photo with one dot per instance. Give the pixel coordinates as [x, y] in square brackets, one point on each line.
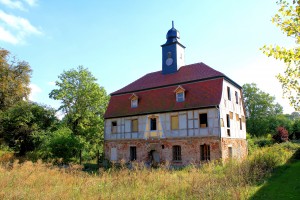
[180, 94]
[134, 100]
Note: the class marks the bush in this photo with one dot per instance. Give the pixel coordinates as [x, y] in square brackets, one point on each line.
[60, 144]
[282, 135]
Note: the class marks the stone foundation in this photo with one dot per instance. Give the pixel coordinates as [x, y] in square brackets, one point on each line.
[190, 149]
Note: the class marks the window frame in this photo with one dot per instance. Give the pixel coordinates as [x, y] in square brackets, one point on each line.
[172, 127]
[134, 103]
[176, 153]
[114, 127]
[228, 93]
[137, 125]
[203, 120]
[204, 152]
[133, 153]
[180, 99]
[151, 123]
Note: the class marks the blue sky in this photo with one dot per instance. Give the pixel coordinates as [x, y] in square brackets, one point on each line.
[119, 41]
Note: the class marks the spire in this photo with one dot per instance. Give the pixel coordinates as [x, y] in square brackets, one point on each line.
[172, 24]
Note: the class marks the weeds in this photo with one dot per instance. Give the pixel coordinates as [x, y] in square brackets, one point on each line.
[214, 180]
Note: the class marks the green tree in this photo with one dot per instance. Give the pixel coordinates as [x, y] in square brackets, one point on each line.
[20, 122]
[288, 20]
[14, 80]
[84, 103]
[260, 107]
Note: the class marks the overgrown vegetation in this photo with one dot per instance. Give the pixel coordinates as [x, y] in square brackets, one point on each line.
[234, 180]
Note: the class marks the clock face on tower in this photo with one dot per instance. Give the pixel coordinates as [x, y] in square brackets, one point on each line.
[169, 61]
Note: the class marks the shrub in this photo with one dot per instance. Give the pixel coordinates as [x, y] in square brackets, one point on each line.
[282, 135]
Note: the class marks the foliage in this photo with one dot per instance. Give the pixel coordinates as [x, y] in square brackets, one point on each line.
[282, 135]
[233, 180]
[60, 144]
[287, 20]
[14, 80]
[260, 107]
[84, 103]
[20, 121]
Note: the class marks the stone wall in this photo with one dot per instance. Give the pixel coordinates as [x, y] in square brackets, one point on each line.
[239, 148]
[190, 149]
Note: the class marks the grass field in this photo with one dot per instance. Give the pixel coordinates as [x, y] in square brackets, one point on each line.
[211, 181]
[284, 184]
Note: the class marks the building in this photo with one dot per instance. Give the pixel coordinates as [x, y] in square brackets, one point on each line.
[182, 114]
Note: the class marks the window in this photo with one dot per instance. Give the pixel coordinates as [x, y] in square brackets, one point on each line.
[237, 117]
[134, 103]
[228, 121]
[114, 127]
[228, 124]
[132, 153]
[174, 122]
[177, 153]
[152, 124]
[180, 96]
[204, 152]
[228, 93]
[229, 152]
[203, 120]
[241, 124]
[231, 115]
[236, 97]
[134, 125]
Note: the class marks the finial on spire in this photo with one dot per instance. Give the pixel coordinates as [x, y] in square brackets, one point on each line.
[172, 24]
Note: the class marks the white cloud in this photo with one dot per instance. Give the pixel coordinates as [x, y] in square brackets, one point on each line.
[13, 4]
[19, 5]
[15, 28]
[35, 90]
[7, 36]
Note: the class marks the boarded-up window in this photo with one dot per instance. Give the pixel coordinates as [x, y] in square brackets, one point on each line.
[228, 132]
[229, 152]
[231, 115]
[176, 153]
[228, 94]
[113, 154]
[204, 152]
[132, 153]
[153, 126]
[237, 117]
[174, 122]
[134, 125]
[243, 119]
[114, 127]
[203, 120]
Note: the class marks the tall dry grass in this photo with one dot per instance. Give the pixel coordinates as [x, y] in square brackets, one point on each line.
[212, 181]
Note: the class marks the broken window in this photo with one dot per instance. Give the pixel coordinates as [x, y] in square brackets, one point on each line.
[228, 124]
[204, 152]
[176, 153]
[174, 122]
[228, 94]
[153, 124]
[203, 120]
[134, 125]
[132, 153]
[236, 97]
[241, 124]
[114, 127]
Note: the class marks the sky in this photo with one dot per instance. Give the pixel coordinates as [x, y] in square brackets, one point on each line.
[119, 41]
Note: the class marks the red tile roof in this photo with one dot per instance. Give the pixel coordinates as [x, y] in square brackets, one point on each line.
[197, 95]
[197, 71]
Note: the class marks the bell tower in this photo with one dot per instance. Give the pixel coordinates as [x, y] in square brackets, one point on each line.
[172, 52]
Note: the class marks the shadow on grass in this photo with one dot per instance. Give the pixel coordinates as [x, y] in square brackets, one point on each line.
[284, 182]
